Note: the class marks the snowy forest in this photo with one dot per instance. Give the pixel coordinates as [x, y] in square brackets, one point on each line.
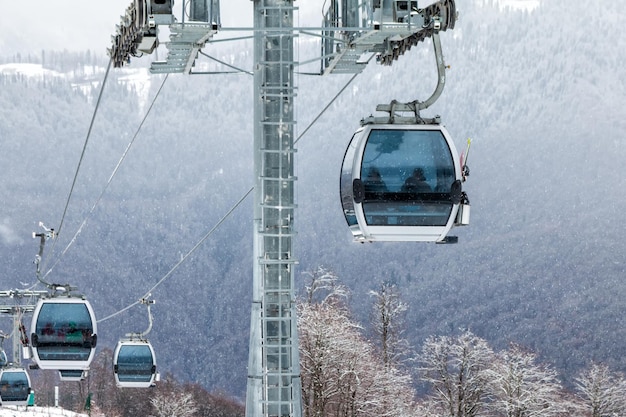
[345, 373]
[532, 294]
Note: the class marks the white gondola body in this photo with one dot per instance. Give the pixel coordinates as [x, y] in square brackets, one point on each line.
[63, 334]
[396, 151]
[134, 364]
[15, 386]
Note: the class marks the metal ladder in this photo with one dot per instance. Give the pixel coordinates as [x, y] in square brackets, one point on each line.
[274, 387]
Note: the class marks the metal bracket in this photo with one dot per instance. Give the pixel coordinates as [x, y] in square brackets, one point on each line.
[395, 109]
[347, 48]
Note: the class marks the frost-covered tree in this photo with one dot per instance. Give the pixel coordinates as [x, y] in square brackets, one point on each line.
[388, 323]
[102, 383]
[213, 405]
[602, 392]
[341, 373]
[323, 337]
[456, 368]
[325, 334]
[324, 287]
[519, 387]
[174, 405]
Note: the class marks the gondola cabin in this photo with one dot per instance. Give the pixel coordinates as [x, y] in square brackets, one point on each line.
[402, 182]
[14, 386]
[134, 364]
[63, 334]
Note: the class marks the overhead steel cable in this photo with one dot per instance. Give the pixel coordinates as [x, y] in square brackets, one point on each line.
[224, 63]
[115, 170]
[325, 108]
[80, 161]
[184, 258]
[223, 219]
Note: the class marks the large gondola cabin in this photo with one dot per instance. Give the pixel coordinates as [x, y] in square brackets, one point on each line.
[402, 182]
[63, 334]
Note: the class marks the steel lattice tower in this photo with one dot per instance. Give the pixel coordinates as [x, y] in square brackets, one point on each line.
[273, 366]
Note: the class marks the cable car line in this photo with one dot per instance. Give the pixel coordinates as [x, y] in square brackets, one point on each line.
[325, 108]
[184, 258]
[67, 320]
[115, 170]
[82, 155]
[223, 219]
[223, 63]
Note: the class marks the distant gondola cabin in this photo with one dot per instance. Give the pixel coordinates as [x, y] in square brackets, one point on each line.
[134, 364]
[14, 386]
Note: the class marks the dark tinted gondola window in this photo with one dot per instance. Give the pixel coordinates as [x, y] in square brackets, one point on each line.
[14, 386]
[407, 175]
[64, 332]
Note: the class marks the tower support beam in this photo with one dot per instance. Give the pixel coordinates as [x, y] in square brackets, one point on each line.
[274, 387]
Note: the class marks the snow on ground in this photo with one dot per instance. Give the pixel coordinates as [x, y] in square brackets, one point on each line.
[527, 5]
[14, 411]
[139, 79]
[523, 5]
[29, 70]
[87, 78]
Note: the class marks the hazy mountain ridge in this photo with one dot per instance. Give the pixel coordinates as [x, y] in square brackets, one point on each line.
[541, 263]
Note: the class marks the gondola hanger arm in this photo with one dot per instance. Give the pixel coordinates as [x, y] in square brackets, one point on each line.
[397, 109]
[43, 237]
[148, 302]
[441, 75]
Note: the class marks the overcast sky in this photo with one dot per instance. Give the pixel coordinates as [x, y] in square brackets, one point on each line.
[77, 25]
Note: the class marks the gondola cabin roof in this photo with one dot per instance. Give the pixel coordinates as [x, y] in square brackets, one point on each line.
[134, 364]
[63, 333]
[14, 386]
[401, 182]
